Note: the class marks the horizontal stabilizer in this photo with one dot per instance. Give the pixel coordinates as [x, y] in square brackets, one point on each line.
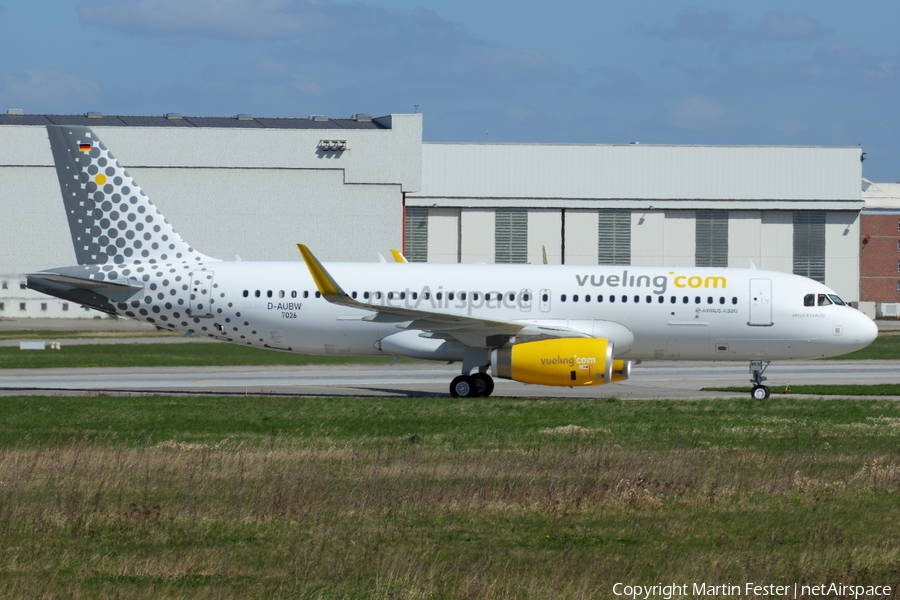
[97, 294]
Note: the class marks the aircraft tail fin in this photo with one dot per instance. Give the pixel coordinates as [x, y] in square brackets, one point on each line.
[110, 218]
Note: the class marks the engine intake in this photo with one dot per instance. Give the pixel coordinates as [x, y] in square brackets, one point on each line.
[561, 362]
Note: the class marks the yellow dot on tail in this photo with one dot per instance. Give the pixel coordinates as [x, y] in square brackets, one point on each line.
[100, 179]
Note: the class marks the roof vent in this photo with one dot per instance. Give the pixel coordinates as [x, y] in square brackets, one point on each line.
[15, 111]
[318, 118]
[173, 116]
[93, 115]
[362, 118]
[243, 117]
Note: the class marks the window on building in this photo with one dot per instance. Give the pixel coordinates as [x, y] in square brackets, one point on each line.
[614, 237]
[43, 306]
[711, 238]
[5, 285]
[809, 244]
[2, 306]
[65, 306]
[23, 286]
[416, 243]
[511, 235]
[21, 306]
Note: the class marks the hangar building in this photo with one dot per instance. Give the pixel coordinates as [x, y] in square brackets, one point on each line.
[353, 188]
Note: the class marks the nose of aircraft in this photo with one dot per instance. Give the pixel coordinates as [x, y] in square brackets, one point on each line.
[862, 331]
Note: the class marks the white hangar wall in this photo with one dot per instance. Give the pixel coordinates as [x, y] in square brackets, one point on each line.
[252, 192]
[755, 195]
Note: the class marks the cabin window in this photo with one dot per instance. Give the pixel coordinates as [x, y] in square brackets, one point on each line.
[426, 295]
[450, 295]
[403, 295]
[512, 297]
[269, 294]
[696, 299]
[649, 299]
[624, 298]
[305, 294]
[809, 300]
[281, 293]
[246, 293]
[390, 295]
[574, 297]
[562, 298]
[734, 300]
[318, 295]
[824, 300]
[257, 293]
[637, 299]
[612, 297]
[475, 296]
[545, 297]
[462, 295]
[439, 295]
[685, 300]
[673, 300]
[709, 300]
[599, 297]
[366, 295]
[353, 294]
[293, 293]
[662, 299]
[721, 299]
[415, 295]
[587, 297]
[525, 297]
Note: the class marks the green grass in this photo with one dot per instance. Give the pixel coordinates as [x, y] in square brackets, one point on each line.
[169, 355]
[878, 389]
[41, 334]
[235, 497]
[885, 347]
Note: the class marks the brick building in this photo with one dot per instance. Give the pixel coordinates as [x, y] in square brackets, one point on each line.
[879, 253]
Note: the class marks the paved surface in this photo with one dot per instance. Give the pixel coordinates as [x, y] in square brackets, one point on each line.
[651, 380]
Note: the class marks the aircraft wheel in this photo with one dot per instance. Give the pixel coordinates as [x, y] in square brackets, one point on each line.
[484, 385]
[462, 386]
[760, 392]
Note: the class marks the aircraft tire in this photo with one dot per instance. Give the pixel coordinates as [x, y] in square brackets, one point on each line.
[484, 385]
[759, 392]
[462, 386]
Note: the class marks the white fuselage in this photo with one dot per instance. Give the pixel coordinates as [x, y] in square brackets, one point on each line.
[672, 313]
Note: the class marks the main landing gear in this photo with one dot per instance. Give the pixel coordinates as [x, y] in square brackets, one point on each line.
[759, 391]
[479, 385]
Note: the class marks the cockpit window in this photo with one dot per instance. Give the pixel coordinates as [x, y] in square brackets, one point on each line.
[837, 300]
[809, 300]
[824, 300]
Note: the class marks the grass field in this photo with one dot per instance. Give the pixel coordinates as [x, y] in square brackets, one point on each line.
[169, 355]
[211, 497]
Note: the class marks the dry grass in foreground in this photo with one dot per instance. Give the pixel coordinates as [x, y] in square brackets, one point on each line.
[565, 511]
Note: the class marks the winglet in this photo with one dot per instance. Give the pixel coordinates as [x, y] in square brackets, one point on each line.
[326, 284]
[398, 256]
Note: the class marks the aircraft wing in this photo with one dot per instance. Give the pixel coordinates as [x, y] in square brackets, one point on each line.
[471, 331]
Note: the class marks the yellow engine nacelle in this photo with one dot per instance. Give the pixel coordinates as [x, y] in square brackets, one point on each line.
[562, 362]
[621, 370]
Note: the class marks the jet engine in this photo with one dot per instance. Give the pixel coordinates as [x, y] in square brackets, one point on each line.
[561, 362]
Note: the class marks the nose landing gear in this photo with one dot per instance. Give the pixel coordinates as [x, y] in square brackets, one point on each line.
[759, 391]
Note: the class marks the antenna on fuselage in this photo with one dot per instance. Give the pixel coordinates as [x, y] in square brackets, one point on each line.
[752, 266]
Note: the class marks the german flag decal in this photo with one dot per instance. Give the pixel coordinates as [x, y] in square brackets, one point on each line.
[84, 147]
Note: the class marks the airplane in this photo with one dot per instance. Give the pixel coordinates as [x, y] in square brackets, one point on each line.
[553, 325]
